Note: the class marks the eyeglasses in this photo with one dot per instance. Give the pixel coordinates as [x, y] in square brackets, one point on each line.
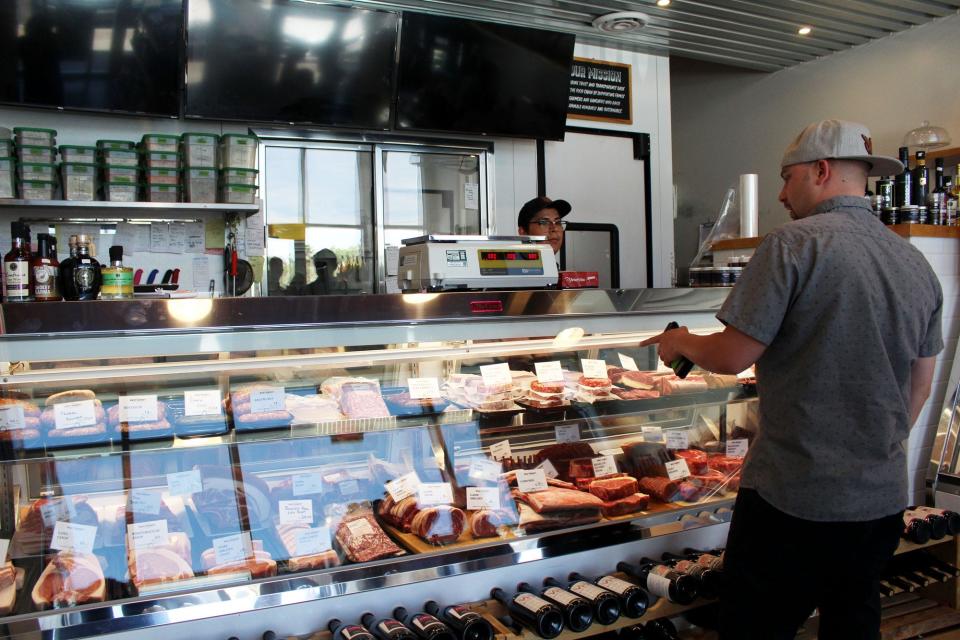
[547, 222]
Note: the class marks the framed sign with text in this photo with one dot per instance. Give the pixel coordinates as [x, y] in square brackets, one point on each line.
[600, 91]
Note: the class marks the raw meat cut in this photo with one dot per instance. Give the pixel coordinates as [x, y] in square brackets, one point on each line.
[635, 394]
[663, 489]
[609, 489]
[629, 504]
[554, 499]
[689, 491]
[302, 562]
[672, 385]
[399, 514]
[68, 580]
[724, 464]
[219, 502]
[485, 523]
[643, 380]
[362, 400]
[441, 524]
[8, 587]
[561, 454]
[161, 564]
[532, 522]
[260, 565]
[362, 539]
[696, 460]
[33, 535]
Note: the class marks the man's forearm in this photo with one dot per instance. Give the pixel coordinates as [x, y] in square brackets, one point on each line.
[921, 379]
[716, 352]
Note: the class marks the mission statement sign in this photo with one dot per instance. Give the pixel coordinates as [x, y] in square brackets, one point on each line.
[600, 91]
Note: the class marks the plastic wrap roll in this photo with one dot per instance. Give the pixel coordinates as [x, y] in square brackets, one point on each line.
[749, 208]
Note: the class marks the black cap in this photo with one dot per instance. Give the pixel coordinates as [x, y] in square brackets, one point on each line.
[535, 206]
[116, 253]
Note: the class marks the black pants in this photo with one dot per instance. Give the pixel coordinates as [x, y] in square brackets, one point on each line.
[780, 568]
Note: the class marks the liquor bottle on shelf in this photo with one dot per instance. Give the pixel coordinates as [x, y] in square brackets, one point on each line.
[606, 604]
[885, 190]
[533, 612]
[904, 181]
[709, 579]
[952, 201]
[661, 580]
[16, 265]
[915, 529]
[921, 178]
[386, 628]
[347, 631]
[952, 517]
[45, 269]
[81, 279]
[468, 624]
[634, 601]
[425, 625]
[577, 612]
[937, 196]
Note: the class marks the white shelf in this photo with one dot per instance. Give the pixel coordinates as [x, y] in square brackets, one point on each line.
[101, 209]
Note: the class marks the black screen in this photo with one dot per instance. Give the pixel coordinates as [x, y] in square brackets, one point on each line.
[478, 77]
[282, 61]
[113, 55]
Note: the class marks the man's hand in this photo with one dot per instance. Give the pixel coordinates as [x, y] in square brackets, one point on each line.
[668, 344]
[729, 351]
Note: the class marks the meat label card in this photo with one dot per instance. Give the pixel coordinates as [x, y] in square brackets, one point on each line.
[433, 493]
[307, 484]
[231, 549]
[147, 535]
[567, 433]
[184, 483]
[678, 439]
[627, 362]
[652, 434]
[267, 400]
[483, 469]
[50, 512]
[296, 512]
[423, 388]
[677, 469]
[737, 448]
[548, 469]
[349, 488]
[530, 480]
[311, 541]
[403, 487]
[71, 415]
[483, 498]
[593, 368]
[495, 374]
[549, 371]
[145, 502]
[604, 466]
[69, 536]
[360, 527]
[202, 403]
[500, 450]
[138, 408]
[11, 417]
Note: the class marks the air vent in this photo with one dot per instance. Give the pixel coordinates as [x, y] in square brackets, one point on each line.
[622, 22]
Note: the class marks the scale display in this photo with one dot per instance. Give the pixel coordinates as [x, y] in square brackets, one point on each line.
[510, 263]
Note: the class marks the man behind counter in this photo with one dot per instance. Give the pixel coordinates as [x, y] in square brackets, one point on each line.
[842, 318]
[542, 217]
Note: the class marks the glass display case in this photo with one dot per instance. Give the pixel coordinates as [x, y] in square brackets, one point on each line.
[171, 460]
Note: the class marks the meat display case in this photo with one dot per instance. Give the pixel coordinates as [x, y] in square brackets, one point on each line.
[280, 460]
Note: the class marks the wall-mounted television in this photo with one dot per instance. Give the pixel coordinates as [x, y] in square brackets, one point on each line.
[478, 77]
[103, 55]
[291, 62]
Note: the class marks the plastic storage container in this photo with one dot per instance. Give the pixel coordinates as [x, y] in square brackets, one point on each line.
[120, 158]
[75, 153]
[199, 149]
[238, 194]
[120, 192]
[116, 145]
[161, 176]
[161, 193]
[37, 189]
[235, 175]
[8, 183]
[200, 184]
[79, 180]
[37, 170]
[7, 148]
[113, 173]
[35, 136]
[159, 142]
[161, 160]
[36, 153]
[238, 151]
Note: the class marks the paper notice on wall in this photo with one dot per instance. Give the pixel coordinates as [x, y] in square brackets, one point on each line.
[214, 231]
[253, 241]
[471, 195]
[392, 258]
[160, 237]
[255, 221]
[194, 238]
[178, 237]
[141, 238]
[201, 273]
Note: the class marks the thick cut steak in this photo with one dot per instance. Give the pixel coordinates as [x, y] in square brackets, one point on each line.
[623, 506]
[608, 489]
[560, 500]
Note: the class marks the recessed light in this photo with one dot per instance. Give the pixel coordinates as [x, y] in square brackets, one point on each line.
[663, 3]
[804, 31]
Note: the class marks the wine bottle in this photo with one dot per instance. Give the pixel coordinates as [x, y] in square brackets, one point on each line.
[709, 579]
[709, 559]
[531, 611]
[636, 632]
[901, 584]
[921, 179]
[904, 181]
[606, 604]
[426, 626]
[347, 631]
[938, 524]
[946, 567]
[577, 612]
[661, 580]
[469, 625]
[633, 600]
[386, 628]
[915, 529]
[952, 517]
[511, 624]
[661, 629]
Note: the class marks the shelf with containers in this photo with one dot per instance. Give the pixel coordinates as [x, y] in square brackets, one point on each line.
[203, 456]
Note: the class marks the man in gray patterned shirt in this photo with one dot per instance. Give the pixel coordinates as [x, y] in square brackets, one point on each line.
[842, 318]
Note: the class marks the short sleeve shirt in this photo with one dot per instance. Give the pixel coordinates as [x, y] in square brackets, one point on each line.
[845, 307]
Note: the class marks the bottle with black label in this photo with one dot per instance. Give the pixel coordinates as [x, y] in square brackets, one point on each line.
[386, 628]
[82, 278]
[904, 181]
[661, 580]
[346, 631]
[921, 178]
[708, 578]
[533, 612]
[46, 269]
[952, 517]
[937, 198]
[885, 190]
[915, 529]
[606, 604]
[468, 624]
[16, 265]
[633, 600]
[424, 625]
[577, 612]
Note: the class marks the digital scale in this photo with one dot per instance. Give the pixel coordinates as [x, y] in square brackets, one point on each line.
[445, 263]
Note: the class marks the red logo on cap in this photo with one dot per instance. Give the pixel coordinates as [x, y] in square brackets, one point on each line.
[867, 143]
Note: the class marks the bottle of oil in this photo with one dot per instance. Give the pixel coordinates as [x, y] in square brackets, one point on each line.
[117, 279]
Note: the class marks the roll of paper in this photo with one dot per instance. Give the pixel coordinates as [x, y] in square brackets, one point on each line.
[749, 206]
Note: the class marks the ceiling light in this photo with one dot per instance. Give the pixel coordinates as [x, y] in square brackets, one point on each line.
[804, 31]
[663, 3]
[621, 22]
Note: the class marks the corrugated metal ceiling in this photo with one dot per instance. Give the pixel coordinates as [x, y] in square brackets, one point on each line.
[744, 33]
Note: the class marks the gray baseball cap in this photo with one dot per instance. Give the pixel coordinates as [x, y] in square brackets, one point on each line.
[839, 140]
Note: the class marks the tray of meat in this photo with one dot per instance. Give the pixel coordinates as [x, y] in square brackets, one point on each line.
[69, 580]
[74, 418]
[362, 539]
[218, 506]
[22, 422]
[362, 400]
[258, 407]
[627, 505]
[156, 427]
[400, 403]
[545, 400]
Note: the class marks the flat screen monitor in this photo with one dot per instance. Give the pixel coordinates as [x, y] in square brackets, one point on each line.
[290, 62]
[103, 55]
[478, 77]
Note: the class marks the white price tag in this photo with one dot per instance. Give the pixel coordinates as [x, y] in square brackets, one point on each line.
[202, 403]
[307, 484]
[57, 509]
[232, 549]
[496, 374]
[11, 417]
[677, 469]
[70, 415]
[423, 388]
[627, 362]
[296, 512]
[403, 487]
[593, 368]
[349, 487]
[138, 408]
[652, 434]
[530, 480]
[482, 469]
[184, 483]
[433, 493]
[549, 371]
[500, 450]
[616, 451]
[145, 502]
[548, 469]
[267, 400]
[4, 547]
[678, 439]
[567, 433]
[69, 536]
[311, 541]
[483, 498]
[737, 448]
[147, 535]
[360, 527]
[604, 466]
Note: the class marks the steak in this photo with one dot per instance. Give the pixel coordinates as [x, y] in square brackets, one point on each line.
[696, 460]
[69, 579]
[558, 500]
[609, 489]
[533, 522]
[635, 394]
[485, 522]
[663, 489]
[630, 504]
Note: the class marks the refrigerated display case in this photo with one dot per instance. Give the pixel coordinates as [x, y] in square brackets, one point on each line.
[174, 461]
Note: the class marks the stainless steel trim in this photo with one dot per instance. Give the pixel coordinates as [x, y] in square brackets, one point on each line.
[379, 202]
[454, 238]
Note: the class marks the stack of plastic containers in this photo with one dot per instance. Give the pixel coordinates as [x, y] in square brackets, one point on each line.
[118, 165]
[8, 166]
[238, 175]
[78, 172]
[199, 152]
[36, 152]
[161, 167]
